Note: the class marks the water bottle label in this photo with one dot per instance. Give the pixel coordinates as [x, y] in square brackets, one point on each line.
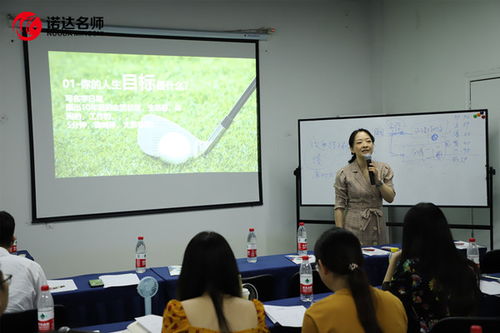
[251, 253]
[46, 321]
[140, 260]
[474, 259]
[306, 284]
[302, 246]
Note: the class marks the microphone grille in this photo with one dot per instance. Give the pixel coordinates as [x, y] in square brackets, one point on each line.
[367, 157]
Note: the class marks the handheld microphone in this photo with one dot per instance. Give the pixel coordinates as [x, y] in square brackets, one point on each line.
[368, 159]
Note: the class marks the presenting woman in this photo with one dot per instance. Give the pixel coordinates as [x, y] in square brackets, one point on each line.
[358, 199]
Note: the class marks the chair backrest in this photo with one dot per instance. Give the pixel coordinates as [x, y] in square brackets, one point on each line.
[294, 285]
[264, 284]
[490, 262]
[463, 324]
[27, 321]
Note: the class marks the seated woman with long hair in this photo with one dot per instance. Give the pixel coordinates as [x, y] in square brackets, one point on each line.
[209, 292]
[430, 276]
[355, 306]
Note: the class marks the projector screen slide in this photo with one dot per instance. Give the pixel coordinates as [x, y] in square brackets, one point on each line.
[127, 124]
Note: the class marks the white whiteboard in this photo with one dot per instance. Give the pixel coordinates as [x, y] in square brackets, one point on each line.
[436, 157]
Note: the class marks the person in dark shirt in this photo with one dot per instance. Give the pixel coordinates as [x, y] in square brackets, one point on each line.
[430, 276]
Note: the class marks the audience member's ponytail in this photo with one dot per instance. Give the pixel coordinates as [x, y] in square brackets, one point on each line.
[340, 252]
[361, 292]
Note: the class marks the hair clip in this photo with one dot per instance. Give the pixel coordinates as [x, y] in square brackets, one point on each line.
[352, 266]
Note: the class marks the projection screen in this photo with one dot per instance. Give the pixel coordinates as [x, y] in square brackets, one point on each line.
[134, 125]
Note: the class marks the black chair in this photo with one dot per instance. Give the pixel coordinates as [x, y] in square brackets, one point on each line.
[463, 324]
[294, 283]
[264, 284]
[490, 262]
[27, 321]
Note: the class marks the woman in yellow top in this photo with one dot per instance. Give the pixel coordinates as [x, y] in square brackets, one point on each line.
[209, 292]
[355, 307]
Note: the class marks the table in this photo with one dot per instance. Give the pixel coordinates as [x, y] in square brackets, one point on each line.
[290, 302]
[277, 265]
[107, 328]
[490, 306]
[281, 268]
[92, 306]
[113, 327]
[25, 253]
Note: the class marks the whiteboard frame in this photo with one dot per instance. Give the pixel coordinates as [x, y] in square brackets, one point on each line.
[486, 145]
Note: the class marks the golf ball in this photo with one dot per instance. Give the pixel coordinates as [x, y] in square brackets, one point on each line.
[174, 148]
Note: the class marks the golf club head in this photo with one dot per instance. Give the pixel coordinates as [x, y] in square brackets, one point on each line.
[162, 138]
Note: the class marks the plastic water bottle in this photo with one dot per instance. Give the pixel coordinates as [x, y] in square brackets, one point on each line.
[140, 255]
[301, 240]
[45, 308]
[473, 251]
[251, 246]
[13, 247]
[306, 280]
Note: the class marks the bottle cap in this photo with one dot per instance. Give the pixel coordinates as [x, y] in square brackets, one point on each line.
[140, 238]
[476, 329]
[44, 287]
[301, 223]
[305, 257]
[472, 239]
[251, 229]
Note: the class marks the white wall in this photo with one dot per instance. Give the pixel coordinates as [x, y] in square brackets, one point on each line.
[428, 52]
[317, 64]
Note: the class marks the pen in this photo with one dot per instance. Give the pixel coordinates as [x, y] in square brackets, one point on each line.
[368, 249]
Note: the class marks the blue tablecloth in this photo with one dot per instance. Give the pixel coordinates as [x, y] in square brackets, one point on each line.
[107, 328]
[25, 253]
[277, 265]
[113, 327]
[282, 269]
[91, 306]
[490, 306]
[291, 302]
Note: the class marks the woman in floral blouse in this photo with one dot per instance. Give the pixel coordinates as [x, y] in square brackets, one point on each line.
[430, 276]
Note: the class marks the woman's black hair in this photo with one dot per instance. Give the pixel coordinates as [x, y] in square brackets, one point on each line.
[7, 227]
[351, 141]
[209, 266]
[427, 238]
[340, 252]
